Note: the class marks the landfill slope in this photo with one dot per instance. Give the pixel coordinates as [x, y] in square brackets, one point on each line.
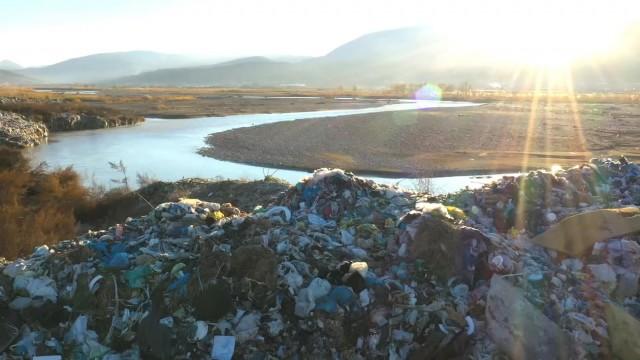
[500, 137]
[341, 267]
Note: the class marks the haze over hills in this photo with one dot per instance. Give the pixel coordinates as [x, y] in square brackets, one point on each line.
[9, 77]
[9, 65]
[100, 67]
[406, 55]
[409, 55]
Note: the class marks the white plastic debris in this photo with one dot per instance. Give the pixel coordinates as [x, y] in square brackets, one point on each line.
[437, 208]
[550, 217]
[603, 273]
[364, 298]
[277, 210]
[403, 251]
[316, 220]
[305, 301]
[247, 328]
[201, 330]
[401, 335]
[319, 288]
[322, 174]
[572, 264]
[223, 347]
[78, 333]
[47, 357]
[93, 284]
[292, 278]
[276, 325]
[40, 287]
[460, 291]
[345, 237]
[41, 251]
[471, 327]
[360, 266]
[16, 268]
[167, 321]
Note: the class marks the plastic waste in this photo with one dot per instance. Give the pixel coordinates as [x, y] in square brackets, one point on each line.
[387, 280]
[223, 347]
[248, 326]
[282, 210]
[119, 260]
[41, 287]
[93, 284]
[306, 298]
[136, 278]
[201, 330]
[576, 234]
[26, 346]
[41, 251]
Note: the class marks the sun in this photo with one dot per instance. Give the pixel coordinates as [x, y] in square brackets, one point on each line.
[547, 39]
[557, 46]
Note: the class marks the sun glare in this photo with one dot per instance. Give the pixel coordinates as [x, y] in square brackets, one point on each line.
[557, 46]
[544, 37]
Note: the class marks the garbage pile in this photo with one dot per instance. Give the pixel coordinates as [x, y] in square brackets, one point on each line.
[341, 267]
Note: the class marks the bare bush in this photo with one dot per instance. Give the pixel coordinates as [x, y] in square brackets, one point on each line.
[144, 179]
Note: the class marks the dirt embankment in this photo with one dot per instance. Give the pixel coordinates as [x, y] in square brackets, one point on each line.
[116, 206]
[499, 137]
[67, 115]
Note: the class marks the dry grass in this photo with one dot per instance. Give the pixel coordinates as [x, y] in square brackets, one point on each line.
[199, 102]
[125, 95]
[36, 207]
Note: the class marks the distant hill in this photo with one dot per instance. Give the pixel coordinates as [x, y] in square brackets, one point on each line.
[382, 58]
[9, 65]
[290, 58]
[383, 45]
[9, 77]
[407, 55]
[239, 72]
[99, 67]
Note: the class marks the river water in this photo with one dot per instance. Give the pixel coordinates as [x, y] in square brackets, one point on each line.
[166, 149]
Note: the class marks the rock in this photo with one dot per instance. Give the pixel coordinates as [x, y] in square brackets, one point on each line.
[70, 121]
[17, 131]
[604, 273]
[518, 328]
[64, 121]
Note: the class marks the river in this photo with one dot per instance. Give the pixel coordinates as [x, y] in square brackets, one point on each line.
[165, 149]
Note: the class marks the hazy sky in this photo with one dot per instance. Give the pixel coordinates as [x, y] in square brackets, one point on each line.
[38, 32]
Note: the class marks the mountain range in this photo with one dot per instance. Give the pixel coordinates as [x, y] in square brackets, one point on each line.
[408, 55]
[9, 65]
[100, 67]
[9, 77]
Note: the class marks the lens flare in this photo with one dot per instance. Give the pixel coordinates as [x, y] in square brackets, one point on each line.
[429, 92]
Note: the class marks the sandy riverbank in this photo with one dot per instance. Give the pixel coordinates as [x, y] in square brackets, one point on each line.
[500, 137]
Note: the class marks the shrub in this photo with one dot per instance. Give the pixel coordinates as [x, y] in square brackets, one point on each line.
[36, 207]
